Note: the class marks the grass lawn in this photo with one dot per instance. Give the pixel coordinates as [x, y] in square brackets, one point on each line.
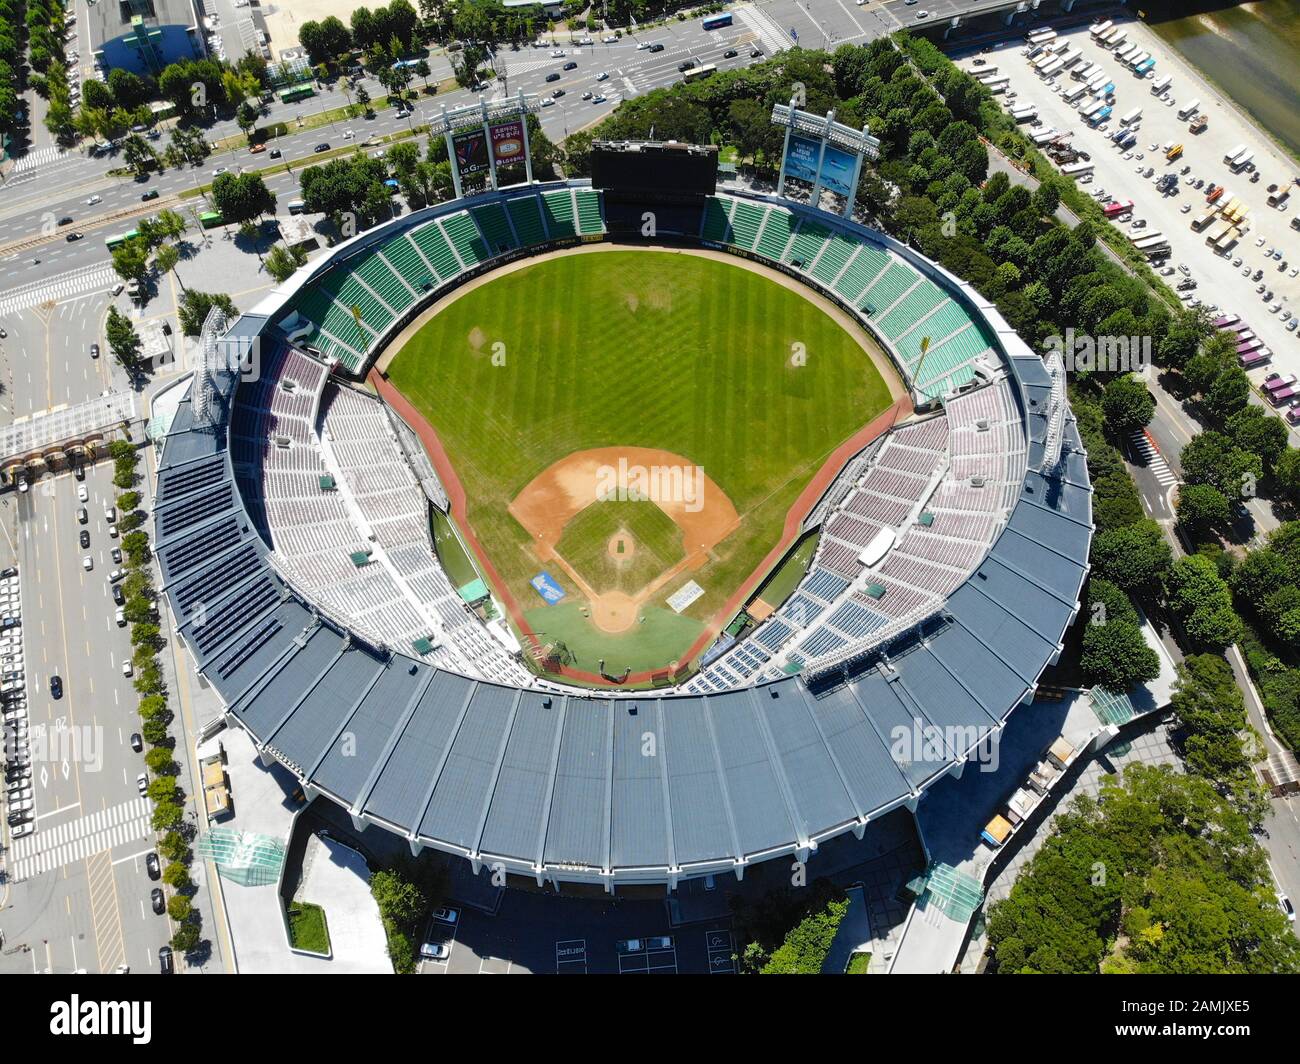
[653, 543]
[645, 349]
[785, 578]
[307, 928]
[657, 639]
[451, 555]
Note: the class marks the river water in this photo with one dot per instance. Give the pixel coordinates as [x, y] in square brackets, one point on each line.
[1250, 51]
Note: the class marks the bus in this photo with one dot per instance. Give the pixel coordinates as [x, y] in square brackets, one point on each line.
[1101, 28]
[716, 22]
[1041, 36]
[1160, 84]
[1115, 209]
[1189, 109]
[1145, 67]
[1216, 232]
[210, 219]
[699, 72]
[296, 93]
[117, 241]
[1199, 223]
[1231, 155]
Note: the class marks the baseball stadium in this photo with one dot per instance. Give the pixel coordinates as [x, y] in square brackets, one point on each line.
[594, 552]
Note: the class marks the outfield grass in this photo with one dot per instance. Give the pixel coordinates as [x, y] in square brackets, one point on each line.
[638, 348]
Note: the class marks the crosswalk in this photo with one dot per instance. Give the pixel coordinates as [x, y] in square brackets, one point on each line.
[33, 160]
[74, 840]
[94, 278]
[1152, 458]
[774, 38]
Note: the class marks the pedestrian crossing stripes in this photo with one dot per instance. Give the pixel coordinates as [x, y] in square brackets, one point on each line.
[78, 282]
[38, 158]
[1153, 459]
[74, 840]
[768, 31]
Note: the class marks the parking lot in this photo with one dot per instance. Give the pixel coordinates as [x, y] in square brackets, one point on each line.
[1265, 254]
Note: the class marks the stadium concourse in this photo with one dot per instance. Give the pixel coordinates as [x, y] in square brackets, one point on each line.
[293, 535]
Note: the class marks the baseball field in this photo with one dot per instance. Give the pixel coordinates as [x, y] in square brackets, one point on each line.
[628, 423]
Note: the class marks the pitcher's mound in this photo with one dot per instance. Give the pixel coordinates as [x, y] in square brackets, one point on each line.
[621, 547]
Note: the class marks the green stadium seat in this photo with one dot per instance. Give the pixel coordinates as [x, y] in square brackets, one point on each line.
[494, 225]
[559, 213]
[866, 266]
[385, 283]
[352, 293]
[527, 217]
[922, 299]
[430, 240]
[405, 259]
[590, 219]
[776, 233]
[746, 220]
[810, 239]
[464, 235]
[717, 220]
[832, 259]
[891, 284]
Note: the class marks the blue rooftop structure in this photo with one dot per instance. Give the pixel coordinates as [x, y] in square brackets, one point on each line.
[568, 785]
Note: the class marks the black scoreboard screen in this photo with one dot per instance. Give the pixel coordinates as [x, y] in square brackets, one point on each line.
[668, 172]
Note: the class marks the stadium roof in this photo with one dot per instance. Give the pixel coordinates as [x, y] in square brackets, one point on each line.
[633, 789]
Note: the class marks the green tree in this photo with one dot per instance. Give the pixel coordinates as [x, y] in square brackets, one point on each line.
[1127, 404]
[281, 262]
[194, 308]
[123, 341]
[1202, 509]
[1134, 558]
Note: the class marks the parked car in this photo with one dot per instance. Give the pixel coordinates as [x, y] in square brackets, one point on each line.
[446, 916]
[435, 951]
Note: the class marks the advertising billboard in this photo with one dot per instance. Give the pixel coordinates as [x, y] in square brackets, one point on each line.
[837, 165]
[508, 142]
[837, 171]
[801, 158]
[471, 152]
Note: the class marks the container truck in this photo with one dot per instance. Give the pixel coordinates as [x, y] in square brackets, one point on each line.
[1215, 231]
[1228, 241]
[1198, 124]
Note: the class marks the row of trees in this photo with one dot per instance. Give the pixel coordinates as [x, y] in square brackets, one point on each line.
[12, 28]
[141, 610]
[330, 41]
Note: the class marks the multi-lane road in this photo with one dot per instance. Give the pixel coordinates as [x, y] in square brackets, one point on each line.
[76, 890]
